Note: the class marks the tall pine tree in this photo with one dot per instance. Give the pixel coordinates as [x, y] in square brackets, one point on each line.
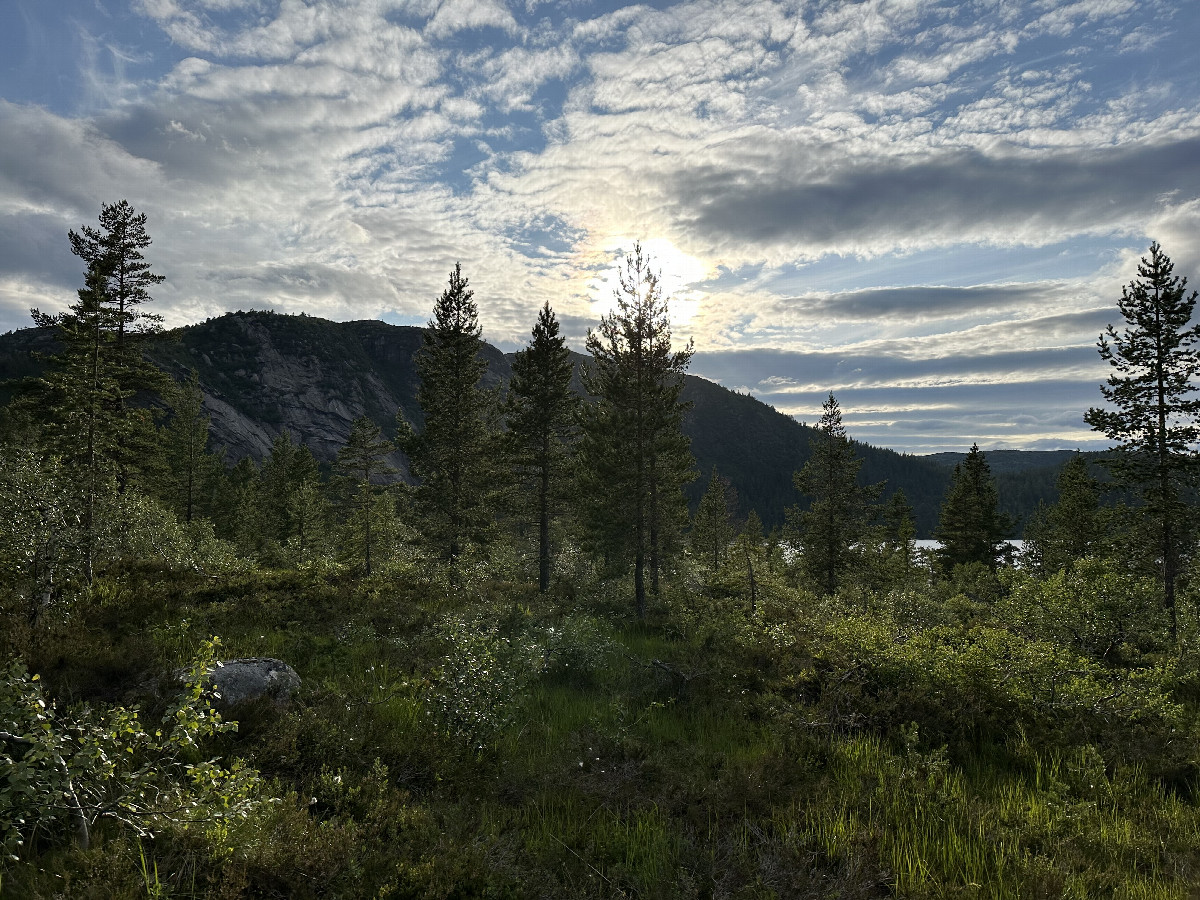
[1073, 527]
[115, 249]
[80, 399]
[540, 417]
[192, 469]
[1153, 408]
[455, 453]
[635, 457]
[712, 526]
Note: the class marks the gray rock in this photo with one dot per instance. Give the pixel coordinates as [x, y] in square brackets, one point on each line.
[241, 680]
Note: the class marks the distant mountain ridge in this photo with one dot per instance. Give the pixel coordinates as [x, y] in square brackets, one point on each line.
[264, 372]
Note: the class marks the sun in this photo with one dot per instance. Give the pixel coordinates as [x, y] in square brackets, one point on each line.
[679, 273]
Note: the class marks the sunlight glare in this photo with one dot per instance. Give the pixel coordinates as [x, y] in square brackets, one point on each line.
[677, 270]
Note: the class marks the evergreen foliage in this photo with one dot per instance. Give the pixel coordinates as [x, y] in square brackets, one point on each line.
[192, 469]
[840, 511]
[540, 416]
[634, 457]
[81, 401]
[115, 251]
[1153, 408]
[455, 454]
[971, 527]
[362, 463]
[899, 738]
[712, 526]
[1074, 527]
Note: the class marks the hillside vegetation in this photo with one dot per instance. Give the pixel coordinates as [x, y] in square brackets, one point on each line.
[262, 373]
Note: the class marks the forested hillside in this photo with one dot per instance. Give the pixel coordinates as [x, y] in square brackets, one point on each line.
[263, 372]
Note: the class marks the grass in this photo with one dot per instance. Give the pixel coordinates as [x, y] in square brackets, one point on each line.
[666, 760]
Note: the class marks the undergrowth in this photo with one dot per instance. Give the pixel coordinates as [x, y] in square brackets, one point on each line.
[487, 742]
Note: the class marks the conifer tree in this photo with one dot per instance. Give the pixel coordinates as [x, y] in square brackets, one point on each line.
[192, 469]
[540, 418]
[750, 545]
[1073, 527]
[1153, 409]
[712, 527]
[455, 453]
[115, 249]
[840, 511]
[83, 399]
[900, 526]
[362, 464]
[292, 498]
[971, 527]
[80, 400]
[635, 458]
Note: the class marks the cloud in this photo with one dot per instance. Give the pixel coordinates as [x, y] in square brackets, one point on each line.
[458, 15]
[885, 205]
[921, 302]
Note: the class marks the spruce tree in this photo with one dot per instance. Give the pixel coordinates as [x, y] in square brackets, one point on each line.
[455, 453]
[750, 545]
[361, 463]
[899, 526]
[540, 417]
[293, 501]
[192, 469]
[1074, 527]
[1153, 408]
[712, 526]
[840, 510]
[971, 527]
[634, 456]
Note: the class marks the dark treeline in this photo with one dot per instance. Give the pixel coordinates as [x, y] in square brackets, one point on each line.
[545, 652]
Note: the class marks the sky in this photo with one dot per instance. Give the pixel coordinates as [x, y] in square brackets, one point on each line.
[927, 207]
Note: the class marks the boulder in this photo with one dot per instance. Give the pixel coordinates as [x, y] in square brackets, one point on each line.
[243, 680]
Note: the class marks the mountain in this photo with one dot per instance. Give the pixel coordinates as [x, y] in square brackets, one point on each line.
[263, 372]
[1005, 461]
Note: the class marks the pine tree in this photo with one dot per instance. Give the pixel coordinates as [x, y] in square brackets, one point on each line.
[899, 526]
[840, 511]
[750, 544]
[635, 458]
[540, 417]
[192, 469]
[1153, 407]
[115, 249]
[455, 453]
[362, 464]
[1074, 527]
[971, 527]
[80, 400]
[293, 501]
[712, 527]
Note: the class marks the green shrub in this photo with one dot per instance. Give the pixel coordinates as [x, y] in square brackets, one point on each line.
[67, 769]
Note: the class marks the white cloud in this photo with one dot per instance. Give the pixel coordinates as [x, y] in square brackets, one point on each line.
[460, 15]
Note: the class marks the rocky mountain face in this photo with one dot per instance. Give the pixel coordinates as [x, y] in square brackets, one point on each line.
[263, 373]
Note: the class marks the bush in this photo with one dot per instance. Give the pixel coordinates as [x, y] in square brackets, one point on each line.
[67, 769]
[1093, 607]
